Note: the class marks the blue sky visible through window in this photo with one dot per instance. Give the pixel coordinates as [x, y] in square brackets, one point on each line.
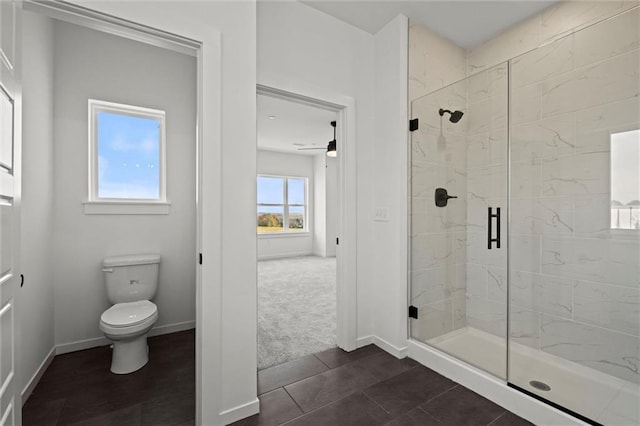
[128, 156]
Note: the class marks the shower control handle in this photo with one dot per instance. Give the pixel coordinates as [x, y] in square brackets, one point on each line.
[442, 198]
[490, 217]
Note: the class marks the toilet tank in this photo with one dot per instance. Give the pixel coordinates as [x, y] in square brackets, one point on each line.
[131, 278]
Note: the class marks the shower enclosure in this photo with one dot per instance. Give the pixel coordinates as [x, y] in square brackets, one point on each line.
[532, 271]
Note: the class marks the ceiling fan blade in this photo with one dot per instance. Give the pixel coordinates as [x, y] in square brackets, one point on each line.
[303, 149]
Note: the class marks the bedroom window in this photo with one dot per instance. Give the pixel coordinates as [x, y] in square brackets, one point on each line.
[126, 154]
[282, 205]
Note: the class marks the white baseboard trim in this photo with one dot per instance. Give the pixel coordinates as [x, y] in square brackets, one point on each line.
[26, 392]
[285, 256]
[81, 345]
[240, 412]
[172, 328]
[490, 387]
[388, 347]
[103, 341]
[364, 341]
[382, 344]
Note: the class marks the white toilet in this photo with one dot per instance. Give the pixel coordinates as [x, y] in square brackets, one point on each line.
[131, 282]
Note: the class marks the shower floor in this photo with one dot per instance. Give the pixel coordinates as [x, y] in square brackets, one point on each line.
[598, 396]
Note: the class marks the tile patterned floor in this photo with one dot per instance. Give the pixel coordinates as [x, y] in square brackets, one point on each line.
[365, 387]
[79, 389]
[368, 387]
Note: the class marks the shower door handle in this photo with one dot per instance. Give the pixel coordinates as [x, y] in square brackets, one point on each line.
[490, 217]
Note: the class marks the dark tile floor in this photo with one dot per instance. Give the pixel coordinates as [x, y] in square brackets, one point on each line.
[365, 387]
[79, 389]
[368, 387]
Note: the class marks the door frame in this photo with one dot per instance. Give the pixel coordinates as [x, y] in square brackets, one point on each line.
[346, 253]
[205, 44]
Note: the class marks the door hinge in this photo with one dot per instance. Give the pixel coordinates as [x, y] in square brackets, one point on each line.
[337, 241]
[200, 258]
[413, 125]
[413, 312]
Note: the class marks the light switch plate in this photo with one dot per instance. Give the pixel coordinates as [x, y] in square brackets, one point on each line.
[381, 214]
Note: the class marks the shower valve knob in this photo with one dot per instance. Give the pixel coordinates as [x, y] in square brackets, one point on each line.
[442, 197]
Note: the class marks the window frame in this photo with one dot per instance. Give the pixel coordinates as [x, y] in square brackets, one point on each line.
[99, 205]
[285, 220]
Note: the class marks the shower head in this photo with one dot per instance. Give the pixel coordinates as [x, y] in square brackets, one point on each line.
[455, 115]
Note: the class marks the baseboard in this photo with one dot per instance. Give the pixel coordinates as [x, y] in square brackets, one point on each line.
[382, 344]
[81, 345]
[490, 387]
[364, 341]
[172, 328]
[103, 341]
[285, 256]
[388, 347]
[26, 392]
[240, 412]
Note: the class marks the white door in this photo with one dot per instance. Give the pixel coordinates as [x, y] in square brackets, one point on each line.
[10, 169]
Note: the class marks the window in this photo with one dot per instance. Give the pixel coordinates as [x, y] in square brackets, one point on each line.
[625, 180]
[282, 200]
[126, 154]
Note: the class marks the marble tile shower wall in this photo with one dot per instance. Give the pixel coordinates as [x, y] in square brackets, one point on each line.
[438, 243]
[575, 283]
[486, 145]
[437, 235]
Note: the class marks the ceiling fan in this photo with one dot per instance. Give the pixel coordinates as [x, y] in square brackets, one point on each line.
[331, 148]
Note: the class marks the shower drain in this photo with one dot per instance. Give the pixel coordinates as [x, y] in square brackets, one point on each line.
[540, 385]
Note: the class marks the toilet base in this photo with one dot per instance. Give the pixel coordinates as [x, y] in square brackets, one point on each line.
[129, 355]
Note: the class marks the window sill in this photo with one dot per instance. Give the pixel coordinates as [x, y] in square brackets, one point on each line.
[284, 235]
[126, 207]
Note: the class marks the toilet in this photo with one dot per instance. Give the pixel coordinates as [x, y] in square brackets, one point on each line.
[131, 281]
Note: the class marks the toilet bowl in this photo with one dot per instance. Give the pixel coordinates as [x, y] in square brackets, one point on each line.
[127, 325]
[131, 282]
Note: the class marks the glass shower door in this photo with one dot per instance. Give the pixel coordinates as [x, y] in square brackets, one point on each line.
[575, 186]
[458, 270]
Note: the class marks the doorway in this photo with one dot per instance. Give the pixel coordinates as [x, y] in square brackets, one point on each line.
[297, 206]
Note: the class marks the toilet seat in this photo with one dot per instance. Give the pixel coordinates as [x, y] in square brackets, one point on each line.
[128, 314]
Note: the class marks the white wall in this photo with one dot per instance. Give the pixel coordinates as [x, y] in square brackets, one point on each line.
[302, 49]
[319, 205]
[283, 164]
[326, 206]
[96, 65]
[36, 297]
[389, 261]
[227, 71]
[332, 206]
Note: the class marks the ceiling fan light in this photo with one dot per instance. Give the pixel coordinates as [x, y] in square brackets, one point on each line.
[331, 149]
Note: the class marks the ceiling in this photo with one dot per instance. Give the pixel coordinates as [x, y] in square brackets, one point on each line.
[467, 23]
[294, 126]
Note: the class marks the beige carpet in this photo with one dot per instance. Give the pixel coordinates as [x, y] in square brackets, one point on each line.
[296, 308]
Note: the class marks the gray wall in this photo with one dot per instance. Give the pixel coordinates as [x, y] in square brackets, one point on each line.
[99, 66]
[36, 297]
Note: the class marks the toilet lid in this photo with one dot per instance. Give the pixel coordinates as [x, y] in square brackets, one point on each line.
[129, 313]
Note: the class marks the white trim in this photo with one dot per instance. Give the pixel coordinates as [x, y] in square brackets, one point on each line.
[285, 256]
[28, 389]
[205, 42]
[364, 341]
[103, 341]
[489, 387]
[382, 344]
[346, 274]
[125, 207]
[96, 106]
[240, 412]
[388, 347]
[109, 24]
